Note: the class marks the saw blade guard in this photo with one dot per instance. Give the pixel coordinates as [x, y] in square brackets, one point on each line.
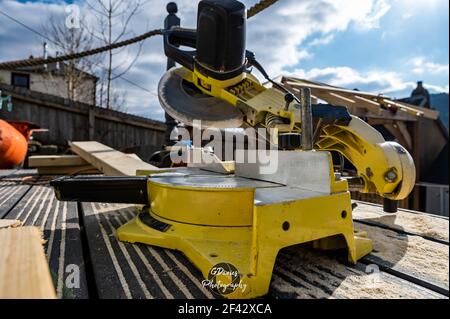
[181, 100]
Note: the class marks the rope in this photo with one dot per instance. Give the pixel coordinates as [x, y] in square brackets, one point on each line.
[78, 55]
[260, 6]
[257, 8]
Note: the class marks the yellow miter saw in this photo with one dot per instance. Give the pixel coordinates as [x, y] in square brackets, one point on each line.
[232, 225]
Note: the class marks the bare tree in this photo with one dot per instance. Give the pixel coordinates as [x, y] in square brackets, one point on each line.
[112, 24]
[66, 41]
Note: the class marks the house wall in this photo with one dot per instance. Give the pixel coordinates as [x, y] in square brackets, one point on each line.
[5, 77]
[56, 85]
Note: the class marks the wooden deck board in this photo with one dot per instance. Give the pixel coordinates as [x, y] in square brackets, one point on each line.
[6, 172]
[404, 243]
[414, 255]
[411, 254]
[11, 192]
[302, 273]
[124, 270]
[59, 222]
[413, 222]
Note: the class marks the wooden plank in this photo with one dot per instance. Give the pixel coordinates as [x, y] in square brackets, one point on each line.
[24, 271]
[369, 104]
[342, 97]
[417, 223]
[420, 111]
[303, 273]
[380, 113]
[416, 110]
[314, 85]
[7, 223]
[412, 255]
[60, 225]
[400, 115]
[134, 156]
[364, 97]
[346, 98]
[56, 160]
[68, 170]
[108, 160]
[6, 172]
[332, 100]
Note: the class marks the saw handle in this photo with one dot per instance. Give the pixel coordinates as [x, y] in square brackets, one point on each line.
[176, 37]
[102, 189]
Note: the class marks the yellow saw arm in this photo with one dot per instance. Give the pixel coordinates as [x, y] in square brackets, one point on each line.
[385, 168]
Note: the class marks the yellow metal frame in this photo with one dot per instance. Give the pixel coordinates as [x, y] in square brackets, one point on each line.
[215, 225]
[373, 157]
[224, 225]
[245, 88]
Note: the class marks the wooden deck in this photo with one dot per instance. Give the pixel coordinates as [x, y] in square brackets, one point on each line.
[411, 253]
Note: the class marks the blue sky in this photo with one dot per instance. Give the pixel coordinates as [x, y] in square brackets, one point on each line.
[411, 39]
[383, 46]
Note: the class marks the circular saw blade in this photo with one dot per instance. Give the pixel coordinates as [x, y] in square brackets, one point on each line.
[181, 100]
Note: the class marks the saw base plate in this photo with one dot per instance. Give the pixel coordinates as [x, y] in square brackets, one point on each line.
[229, 224]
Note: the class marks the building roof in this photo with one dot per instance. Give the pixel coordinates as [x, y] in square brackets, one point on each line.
[55, 68]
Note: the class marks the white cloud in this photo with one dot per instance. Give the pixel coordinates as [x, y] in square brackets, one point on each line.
[421, 65]
[277, 34]
[321, 41]
[372, 20]
[407, 15]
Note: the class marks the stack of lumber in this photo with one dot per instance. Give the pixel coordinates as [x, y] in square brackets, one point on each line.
[61, 164]
[114, 163]
[24, 271]
[90, 158]
[108, 160]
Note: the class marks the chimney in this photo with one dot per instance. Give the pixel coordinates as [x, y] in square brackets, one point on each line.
[44, 55]
[57, 63]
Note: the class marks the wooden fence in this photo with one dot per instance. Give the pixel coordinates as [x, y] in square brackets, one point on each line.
[72, 121]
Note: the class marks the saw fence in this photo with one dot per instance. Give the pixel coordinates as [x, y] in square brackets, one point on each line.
[410, 257]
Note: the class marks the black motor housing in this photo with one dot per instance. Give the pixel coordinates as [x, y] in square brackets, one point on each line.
[219, 40]
[221, 29]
